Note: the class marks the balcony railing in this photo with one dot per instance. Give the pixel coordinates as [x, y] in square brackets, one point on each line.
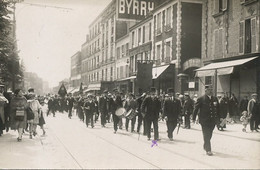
[158, 31]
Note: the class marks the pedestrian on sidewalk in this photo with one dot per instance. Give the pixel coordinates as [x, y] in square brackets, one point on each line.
[36, 108]
[41, 119]
[233, 108]
[171, 112]
[18, 113]
[8, 95]
[3, 102]
[253, 111]
[187, 110]
[208, 108]
[223, 111]
[245, 120]
[42, 122]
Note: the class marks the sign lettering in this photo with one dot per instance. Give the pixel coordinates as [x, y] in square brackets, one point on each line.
[135, 9]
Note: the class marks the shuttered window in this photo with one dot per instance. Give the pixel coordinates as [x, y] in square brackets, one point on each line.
[253, 35]
[241, 36]
[219, 6]
[224, 5]
[216, 6]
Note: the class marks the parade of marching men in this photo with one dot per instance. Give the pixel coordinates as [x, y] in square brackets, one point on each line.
[129, 84]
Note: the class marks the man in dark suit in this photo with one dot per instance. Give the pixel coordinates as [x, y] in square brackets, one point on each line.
[103, 107]
[171, 112]
[208, 108]
[70, 102]
[151, 107]
[115, 102]
[139, 114]
[187, 110]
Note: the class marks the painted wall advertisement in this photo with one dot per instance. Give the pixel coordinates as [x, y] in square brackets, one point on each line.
[135, 9]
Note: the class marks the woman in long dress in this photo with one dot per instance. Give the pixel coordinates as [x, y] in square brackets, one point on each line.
[18, 114]
[36, 108]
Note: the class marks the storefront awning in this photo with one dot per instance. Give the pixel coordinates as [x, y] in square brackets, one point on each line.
[74, 90]
[128, 78]
[92, 87]
[222, 68]
[157, 71]
[70, 89]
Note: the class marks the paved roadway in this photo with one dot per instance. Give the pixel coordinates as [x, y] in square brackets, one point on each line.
[70, 144]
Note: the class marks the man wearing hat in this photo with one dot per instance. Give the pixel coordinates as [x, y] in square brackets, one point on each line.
[208, 108]
[253, 111]
[171, 112]
[115, 103]
[130, 104]
[139, 114]
[90, 108]
[103, 107]
[150, 108]
[187, 110]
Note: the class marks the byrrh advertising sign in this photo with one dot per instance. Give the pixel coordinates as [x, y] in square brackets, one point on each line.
[135, 9]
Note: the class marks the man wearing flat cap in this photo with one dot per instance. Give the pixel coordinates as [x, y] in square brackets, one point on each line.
[208, 108]
[253, 111]
[171, 112]
[150, 108]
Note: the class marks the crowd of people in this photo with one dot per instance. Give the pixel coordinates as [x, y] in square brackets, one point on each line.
[24, 112]
[21, 112]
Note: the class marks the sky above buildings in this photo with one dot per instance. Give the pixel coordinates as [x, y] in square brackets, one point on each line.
[48, 36]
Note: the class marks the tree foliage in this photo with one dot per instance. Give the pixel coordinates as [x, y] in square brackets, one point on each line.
[10, 70]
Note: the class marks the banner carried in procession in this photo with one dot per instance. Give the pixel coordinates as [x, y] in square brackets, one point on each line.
[135, 9]
[62, 91]
[144, 76]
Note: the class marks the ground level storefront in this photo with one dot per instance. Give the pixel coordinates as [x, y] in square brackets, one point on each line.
[237, 75]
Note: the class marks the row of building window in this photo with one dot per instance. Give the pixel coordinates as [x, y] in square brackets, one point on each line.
[142, 35]
[103, 75]
[122, 51]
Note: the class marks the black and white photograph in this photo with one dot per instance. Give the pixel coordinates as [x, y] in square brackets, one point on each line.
[129, 84]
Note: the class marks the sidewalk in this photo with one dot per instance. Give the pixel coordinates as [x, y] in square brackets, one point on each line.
[39, 152]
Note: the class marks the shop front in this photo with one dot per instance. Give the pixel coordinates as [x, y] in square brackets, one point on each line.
[163, 78]
[238, 75]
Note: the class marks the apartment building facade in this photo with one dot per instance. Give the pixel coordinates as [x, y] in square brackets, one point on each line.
[176, 45]
[75, 71]
[230, 50]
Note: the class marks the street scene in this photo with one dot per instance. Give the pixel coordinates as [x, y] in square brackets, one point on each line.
[78, 147]
[129, 84]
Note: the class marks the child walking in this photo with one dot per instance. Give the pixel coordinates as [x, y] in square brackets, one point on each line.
[245, 120]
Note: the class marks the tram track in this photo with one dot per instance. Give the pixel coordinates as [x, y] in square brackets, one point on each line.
[163, 148]
[105, 140]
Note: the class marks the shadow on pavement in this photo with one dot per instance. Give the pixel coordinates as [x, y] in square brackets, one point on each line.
[225, 155]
